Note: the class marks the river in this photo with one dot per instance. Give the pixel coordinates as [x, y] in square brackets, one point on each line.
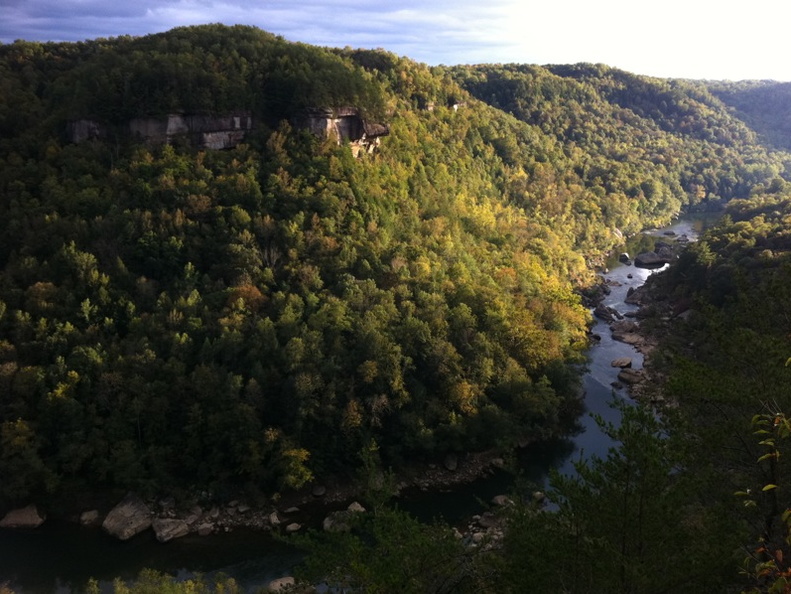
[60, 557]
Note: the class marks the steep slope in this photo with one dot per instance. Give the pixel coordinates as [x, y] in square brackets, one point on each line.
[651, 145]
[252, 317]
[764, 105]
[176, 318]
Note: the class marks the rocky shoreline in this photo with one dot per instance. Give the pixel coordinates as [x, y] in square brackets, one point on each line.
[644, 328]
[291, 512]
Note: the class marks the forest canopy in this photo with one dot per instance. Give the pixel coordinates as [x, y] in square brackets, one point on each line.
[175, 318]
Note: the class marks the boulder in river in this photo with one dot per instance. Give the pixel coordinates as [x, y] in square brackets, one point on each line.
[625, 326]
[167, 529]
[25, 517]
[128, 518]
[622, 362]
[630, 376]
[608, 314]
[649, 260]
[627, 337]
[624, 258]
[205, 529]
[281, 584]
[90, 517]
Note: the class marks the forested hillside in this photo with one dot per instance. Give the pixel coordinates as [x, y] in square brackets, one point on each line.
[693, 499]
[176, 318]
[649, 145]
[764, 105]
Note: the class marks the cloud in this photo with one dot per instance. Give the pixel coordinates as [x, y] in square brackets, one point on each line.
[680, 38]
[418, 26]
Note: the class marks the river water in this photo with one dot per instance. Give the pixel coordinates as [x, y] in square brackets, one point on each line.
[60, 557]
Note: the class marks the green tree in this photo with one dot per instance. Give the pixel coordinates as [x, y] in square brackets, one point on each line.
[390, 551]
[630, 523]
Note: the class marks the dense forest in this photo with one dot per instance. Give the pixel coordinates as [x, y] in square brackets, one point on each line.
[252, 318]
[176, 319]
[692, 497]
[763, 105]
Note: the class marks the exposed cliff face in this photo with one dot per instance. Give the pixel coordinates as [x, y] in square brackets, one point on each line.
[213, 132]
[82, 130]
[203, 131]
[345, 124]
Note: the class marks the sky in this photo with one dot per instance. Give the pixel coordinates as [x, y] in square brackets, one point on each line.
[702, 39]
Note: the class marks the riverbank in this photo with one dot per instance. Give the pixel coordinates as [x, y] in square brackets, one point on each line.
[646, 326]
[290, 511]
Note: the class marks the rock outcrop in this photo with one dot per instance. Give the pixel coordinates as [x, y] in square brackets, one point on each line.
[200, 130]
[203, 131]
[128, 518]
[26, 517]
[83, 130]
[345, 124]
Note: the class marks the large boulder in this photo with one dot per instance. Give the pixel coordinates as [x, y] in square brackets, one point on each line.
[502, 500]
[608, 314]
[622, 362]
[625, 326]
[205, 529]
[167, 529]
[26, 517]
[128, 518]
[649, 260]
[630, 376]
[628, 337]
[90, 517]
[666, 253]
[281, 584]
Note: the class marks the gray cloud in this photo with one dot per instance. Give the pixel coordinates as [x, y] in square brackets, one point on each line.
[433, 32]
[617, 32]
